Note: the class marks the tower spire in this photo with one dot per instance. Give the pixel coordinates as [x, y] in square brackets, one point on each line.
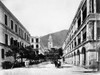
[50, 42]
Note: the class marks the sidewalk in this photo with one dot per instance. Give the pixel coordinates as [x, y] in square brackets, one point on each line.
[77, 68]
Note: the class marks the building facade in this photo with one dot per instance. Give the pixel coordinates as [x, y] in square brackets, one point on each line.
[12, 33]
[35, 43]
[82, 44]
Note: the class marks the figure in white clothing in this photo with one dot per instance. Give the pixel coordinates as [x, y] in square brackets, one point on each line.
[26, 63]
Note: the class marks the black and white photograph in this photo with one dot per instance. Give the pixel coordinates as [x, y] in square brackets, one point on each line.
[49, 37]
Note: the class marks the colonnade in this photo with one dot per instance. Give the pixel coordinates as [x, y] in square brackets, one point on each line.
[77, 57]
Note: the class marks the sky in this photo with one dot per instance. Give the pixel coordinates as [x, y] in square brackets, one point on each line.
[41, 17]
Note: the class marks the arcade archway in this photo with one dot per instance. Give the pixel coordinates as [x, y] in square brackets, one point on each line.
[78, 59]
[84, 55]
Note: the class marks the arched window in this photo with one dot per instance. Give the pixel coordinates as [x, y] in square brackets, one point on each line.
[32, 46]
[37, 40]
[84, 55]
[32, 40]
[37, 46]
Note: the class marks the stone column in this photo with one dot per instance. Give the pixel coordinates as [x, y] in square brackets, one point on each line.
[88, 7]
[69, 60]
[81, 16]
[81, 59]
[8, 40]
[87, 31]
[73, 59]
[95, 30]
[76, 59]
[94, 6]
[81, 36]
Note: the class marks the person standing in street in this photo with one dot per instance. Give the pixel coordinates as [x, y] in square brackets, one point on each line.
[26, 63]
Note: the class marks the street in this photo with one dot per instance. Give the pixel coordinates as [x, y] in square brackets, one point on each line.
[48, 69]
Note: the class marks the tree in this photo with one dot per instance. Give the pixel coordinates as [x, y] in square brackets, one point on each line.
[27, 53]
[13, 52]
[53, 54]
[30, 53]
[41, 56]
[22, 52]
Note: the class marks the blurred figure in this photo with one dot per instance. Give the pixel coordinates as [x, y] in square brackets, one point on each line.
[26, 63]
[55, 62]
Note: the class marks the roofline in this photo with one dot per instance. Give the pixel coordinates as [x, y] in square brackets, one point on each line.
[8, 11]
[80, 5]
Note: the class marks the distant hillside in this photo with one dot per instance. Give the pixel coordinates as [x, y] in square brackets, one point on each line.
[58, 38]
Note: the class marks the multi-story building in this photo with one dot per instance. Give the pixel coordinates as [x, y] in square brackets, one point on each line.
[35, 43]
[82, 45]
[12, 32]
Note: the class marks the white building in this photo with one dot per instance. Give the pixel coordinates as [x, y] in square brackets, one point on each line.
[12, 33]
[82, 45]
[35, 43]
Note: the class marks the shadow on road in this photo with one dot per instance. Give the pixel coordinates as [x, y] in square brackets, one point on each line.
[86, 71]
[66, 66]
